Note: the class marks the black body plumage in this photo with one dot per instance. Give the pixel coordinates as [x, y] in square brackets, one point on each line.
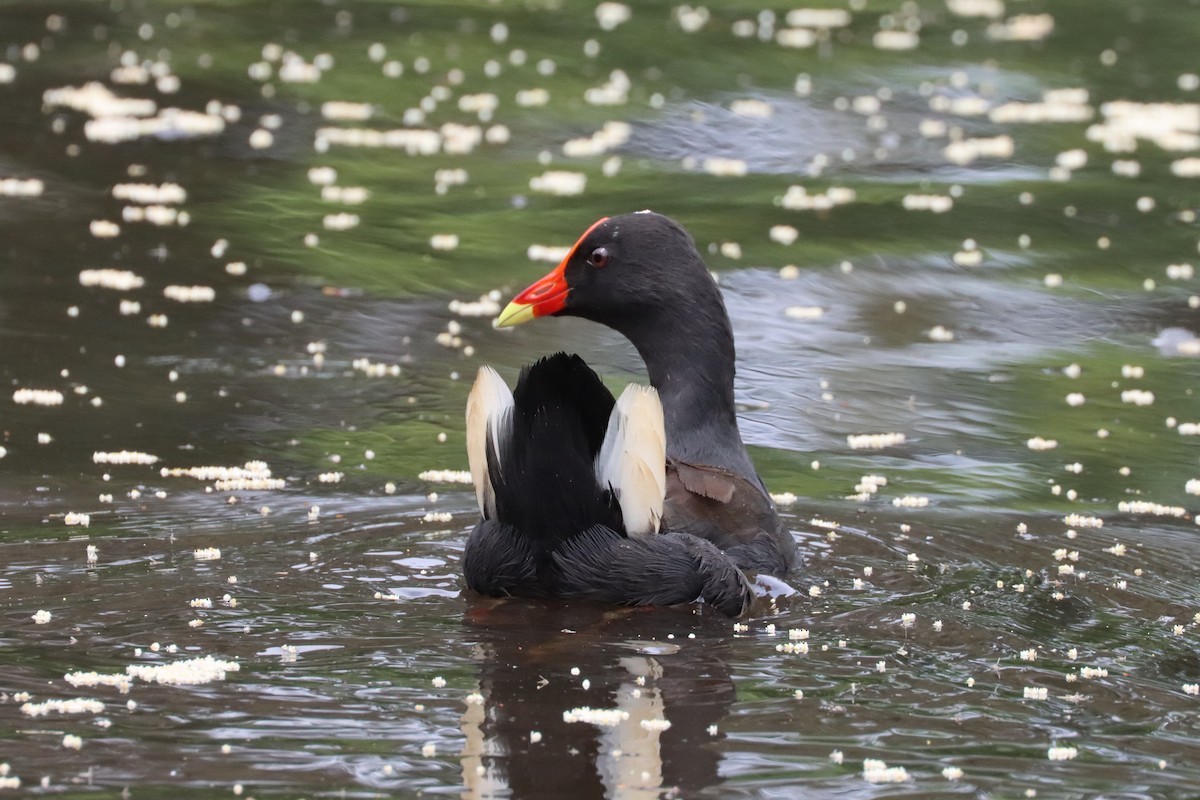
[557, 532]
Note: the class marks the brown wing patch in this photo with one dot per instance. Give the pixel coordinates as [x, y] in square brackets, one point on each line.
[711, 482]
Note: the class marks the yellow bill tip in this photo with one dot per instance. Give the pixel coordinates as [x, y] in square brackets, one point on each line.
[514, 314]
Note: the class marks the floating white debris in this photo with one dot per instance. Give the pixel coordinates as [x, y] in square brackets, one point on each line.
[877, 771]
[41, 617]
[349, 195]
[874, 441]
[559, 182]
[910, 501]
[340, 222]
[1137, 397]
[605, 718]
[77, 705]
[993, 9]
[189, 672]
[804, 312]
[149, 193]
[965, 151]
[1154, 509]
[82, 520]
[1061, 753]
[346, 111]
[784, 234]
[119, 279]
[445, 476]
[1171, 126]
[38, 397]
[330, 477]
[486, 306]
[18, 187]
[375, 369]
[797, 38]
[206, 553]
[895, 40]
[1022, 28]
[1036, 693]
[613, 92]
[724, 167]
[552, 254]
[89, 680]
[611, 135]
[1038, 443]
[190, 294]
[937, 203]
[444, 241]
[797, 198]
[1082, 521]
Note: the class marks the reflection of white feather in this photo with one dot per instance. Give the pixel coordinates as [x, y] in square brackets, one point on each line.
[633, 459]
[489, 415]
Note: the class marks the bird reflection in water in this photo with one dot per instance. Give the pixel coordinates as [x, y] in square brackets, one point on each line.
[657, 665]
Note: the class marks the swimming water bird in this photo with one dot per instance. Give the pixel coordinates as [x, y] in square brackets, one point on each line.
[649, 499]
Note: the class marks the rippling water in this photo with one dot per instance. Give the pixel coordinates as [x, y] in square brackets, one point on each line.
[986, 614]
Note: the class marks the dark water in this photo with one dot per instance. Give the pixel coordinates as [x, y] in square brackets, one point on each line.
[957, 622]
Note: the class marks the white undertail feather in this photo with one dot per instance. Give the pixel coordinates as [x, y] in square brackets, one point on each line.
[489, 414]
[633, 459]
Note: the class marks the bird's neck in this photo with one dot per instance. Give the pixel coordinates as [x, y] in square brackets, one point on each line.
[690, 361]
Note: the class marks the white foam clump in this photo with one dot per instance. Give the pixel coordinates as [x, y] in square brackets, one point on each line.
[724, 167]
[604, 717]
[103, 229]
[611, 135]
[122, 280]
[804, 312]
[331, 477]
[349, 195]
[1154, 509]
[452, 138]
[340, 222]
[343, 110]
[691, 19]
[157, 214]
[874, 441]
[375, 369]
[149, 193]
[818, 18]
[41, 617]
[21, 187]
[965, 151]
[937, 203]
[1137, 397]
[895, 40]
[797, 198]
[910, 501]
[542, 252]
[1171, 126]
[97, 100]
[170, 123]
[75, 518]
[190, 294]
[1038, 443]
[796, 38]
[189, 672]
[1022, 28]
[1061, 753]
[1082, 521]
[38, 397]
[206, 553]
[1186, 167]
[75, 705]
[559, 182]
[609, 15]
[252, 469]
[993, 9]
[446, 475]
[487, 305]
[613, 92]
[1057, 105]
[1192, 486]
[444, 241]
[8, 73]
[530, 98]
[92, 679]
[877, 771]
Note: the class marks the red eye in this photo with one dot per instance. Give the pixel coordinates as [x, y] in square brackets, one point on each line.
[599, 258]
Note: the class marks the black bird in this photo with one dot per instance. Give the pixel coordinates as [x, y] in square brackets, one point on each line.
[580, 495]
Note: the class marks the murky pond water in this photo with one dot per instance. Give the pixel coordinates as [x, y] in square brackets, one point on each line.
[232, 235]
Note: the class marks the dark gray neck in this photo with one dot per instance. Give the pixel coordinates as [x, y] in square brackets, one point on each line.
[690, 361]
